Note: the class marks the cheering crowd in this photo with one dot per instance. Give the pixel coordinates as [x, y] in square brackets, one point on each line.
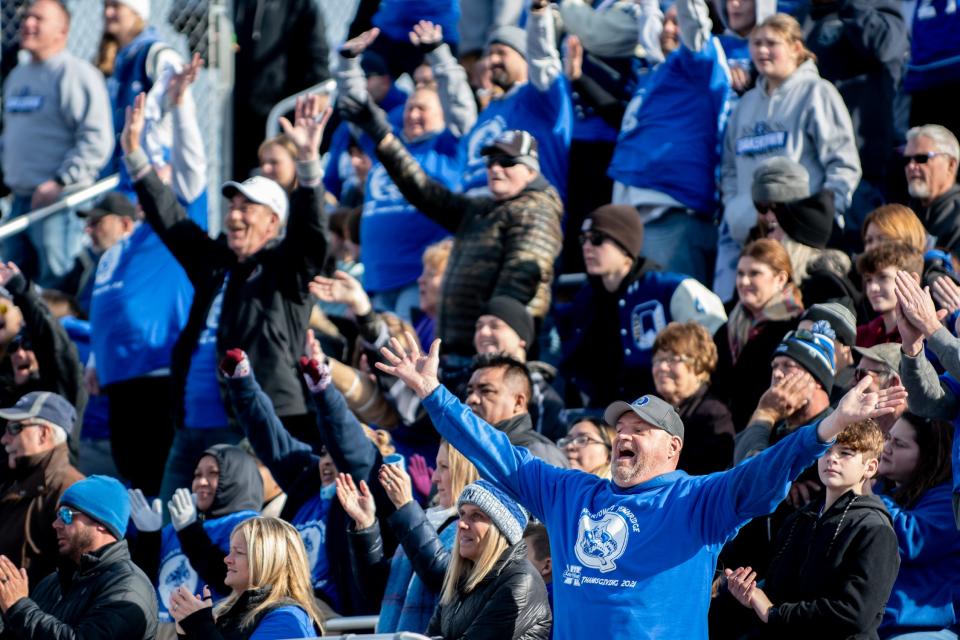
[635, 317]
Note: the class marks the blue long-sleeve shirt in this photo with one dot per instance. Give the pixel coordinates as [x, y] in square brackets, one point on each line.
[634, 561]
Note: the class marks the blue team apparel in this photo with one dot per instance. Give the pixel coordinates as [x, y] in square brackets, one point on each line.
[175, 568]
[394, 233]
[934, 47]
[96, 415]
[671, 136]
[311, 521]
[203, 406]
[397, 17]
[629, 562]
[548, 115]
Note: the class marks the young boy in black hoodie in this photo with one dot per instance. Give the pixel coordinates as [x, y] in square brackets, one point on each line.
[836, 559]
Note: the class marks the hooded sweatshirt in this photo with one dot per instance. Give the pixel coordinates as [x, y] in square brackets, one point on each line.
[833, 571]
[805, 120]
[193, 556]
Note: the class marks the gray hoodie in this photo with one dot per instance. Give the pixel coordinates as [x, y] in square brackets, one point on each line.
[805, 120]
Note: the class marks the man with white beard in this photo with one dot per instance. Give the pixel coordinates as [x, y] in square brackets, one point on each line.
[930, 162]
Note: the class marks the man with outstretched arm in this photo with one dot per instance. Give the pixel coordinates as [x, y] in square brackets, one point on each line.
[636, 554]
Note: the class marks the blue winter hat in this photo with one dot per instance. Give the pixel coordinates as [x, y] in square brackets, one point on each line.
[103, 499]
[813, 350]
[508, 516]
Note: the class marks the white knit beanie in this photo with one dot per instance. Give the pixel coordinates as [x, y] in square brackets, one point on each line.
[140, 7]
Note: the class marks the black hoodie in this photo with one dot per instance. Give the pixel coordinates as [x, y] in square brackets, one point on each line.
[832, 573]
[942, 219]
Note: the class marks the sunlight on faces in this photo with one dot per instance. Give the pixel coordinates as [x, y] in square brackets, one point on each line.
[901, 453]
[590, 456]
[422, 114]
[642, 451]
[121, 21]
[507, 182]
[250, 226]
[206, 478]
[934, 177]
[769, 220]
[741, 16]
[758, 283]
[78, 537]
[107, 230]
[606, 259]
[492, 397]
[873, 238]
[428, 287]
[423, 77]
[493, 335]
[442, 478]
[782, 366]
[670, 36]
[328, 470]
[843, 468]
[880, 289]
[506, 65]
[277, 164]
[44, 28]
[34, 439]
[774, 57]
[238, 564]
[674, 377]
[472, 529]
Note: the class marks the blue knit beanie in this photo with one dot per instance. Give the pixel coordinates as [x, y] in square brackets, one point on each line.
[103, 499]
[508, 516]
[812, 350]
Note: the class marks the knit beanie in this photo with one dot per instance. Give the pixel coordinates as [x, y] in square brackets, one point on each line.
[511, 36]
[140, 7]
[621, 222]
[839, 315]
[103, 499]
[508, 516]
[812, 350]
[780, 179]
[514, 314]
[808, 221]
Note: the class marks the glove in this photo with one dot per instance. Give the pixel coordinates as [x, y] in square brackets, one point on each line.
[366, 115]
[235, 364]
[145, 515]
[317, 374]
[182, 508]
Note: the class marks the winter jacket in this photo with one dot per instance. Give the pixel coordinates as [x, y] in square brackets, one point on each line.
[296, 469]
[941, 218]
[607, 338]
[107, 596]
[927, 590]
[285, 619]
[510, 602]
[521, 433]
[805, 120]
[500, 247]
[707, 434]
[266, 306]
[832, 573]
[861, 46]
[28, 507]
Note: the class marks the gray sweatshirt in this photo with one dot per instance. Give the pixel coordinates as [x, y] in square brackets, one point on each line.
[57, 123]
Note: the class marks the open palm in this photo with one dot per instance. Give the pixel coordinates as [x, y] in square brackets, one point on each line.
[414, 368]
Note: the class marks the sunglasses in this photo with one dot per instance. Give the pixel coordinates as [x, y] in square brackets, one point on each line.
[504, 161]
[595, 238]
[921, 158]
[14, 428]
[20, 341]
[66, 515]
[772, 207]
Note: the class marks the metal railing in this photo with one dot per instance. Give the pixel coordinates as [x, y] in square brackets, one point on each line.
[352, 623]
[70, 201]
[327, 87]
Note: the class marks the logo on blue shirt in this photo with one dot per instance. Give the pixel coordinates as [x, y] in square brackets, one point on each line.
[601, 541]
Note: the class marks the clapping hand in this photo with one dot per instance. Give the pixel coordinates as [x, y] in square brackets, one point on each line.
[917, 304]
[183, 603]
[342, 288]
[421, 475]
[742, 585]
[946, 293]
[310, 118]
[359, 505]
[14, 585]
[414, 368]
[396, 483]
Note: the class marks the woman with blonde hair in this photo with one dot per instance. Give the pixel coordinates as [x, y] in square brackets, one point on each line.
[408, 584]
[794, 113]
[769, 306]
[278, 161]
[271, 598]
[893, 223]
[491, 591]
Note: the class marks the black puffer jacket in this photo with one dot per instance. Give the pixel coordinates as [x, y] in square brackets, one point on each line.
[107, 596]
[511, 602]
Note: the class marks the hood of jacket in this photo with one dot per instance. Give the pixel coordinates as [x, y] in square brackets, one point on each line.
[720, 8]
[239, 486]
[806, 72]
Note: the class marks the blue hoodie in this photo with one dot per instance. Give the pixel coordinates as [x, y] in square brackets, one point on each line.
[927, 590]
[629, 562]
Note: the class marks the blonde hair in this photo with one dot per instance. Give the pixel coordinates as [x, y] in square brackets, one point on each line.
[462, 471]
[437, 254]
[897, 223]
[283, 141]
[787, 27]
[468, 572]
[278, 561]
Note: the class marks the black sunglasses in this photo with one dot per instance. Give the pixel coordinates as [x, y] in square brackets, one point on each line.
[595, 238]
[920, 158]
[504, 161]
[13, 428]
[20, 341]
[772, 207]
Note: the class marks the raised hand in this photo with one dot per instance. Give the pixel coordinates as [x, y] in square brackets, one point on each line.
[8, 272]
[355, 46]
[133, 124]
[371, 119]
[342, 288]
[420, 474]
[179, 82]
[573, 61]
[235, 364]
[310, 118]
[396, 483]
[426, 36]
[145, 515]
[917, 304]
[946, 293]
[183, 508]
[414, 368]
[911, 338]
[860, 404]
[359, 505]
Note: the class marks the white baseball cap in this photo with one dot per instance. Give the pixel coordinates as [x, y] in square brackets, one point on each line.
[262, 191]
[140, 7]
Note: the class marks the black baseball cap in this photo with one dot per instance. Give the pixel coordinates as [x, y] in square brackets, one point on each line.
[113, 203]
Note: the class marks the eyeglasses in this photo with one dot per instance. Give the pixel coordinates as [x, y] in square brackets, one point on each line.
[20, 341]
[504, 161]
[595, 238]
[921, 158]
[66, 515]
[671, 360]
[579, 442]
[764, 207]
[13, 428]
[859, 374]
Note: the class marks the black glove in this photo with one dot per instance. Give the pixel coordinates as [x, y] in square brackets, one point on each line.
[366, 115]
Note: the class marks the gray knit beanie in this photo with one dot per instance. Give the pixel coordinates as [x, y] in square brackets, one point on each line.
[511, 36]
[780, 179]
[508, 516]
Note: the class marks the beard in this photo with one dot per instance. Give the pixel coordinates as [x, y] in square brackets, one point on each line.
[501, 78]
[625, 473]
[918, 189]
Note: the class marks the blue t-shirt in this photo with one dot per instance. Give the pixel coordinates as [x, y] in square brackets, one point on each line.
[284, 623]
[548, 115]
[397, 17]
[394, 234]
[202, 403]
[311, 522]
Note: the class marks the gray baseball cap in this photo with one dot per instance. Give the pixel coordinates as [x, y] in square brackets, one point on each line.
[650, 409]
[887, 354]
